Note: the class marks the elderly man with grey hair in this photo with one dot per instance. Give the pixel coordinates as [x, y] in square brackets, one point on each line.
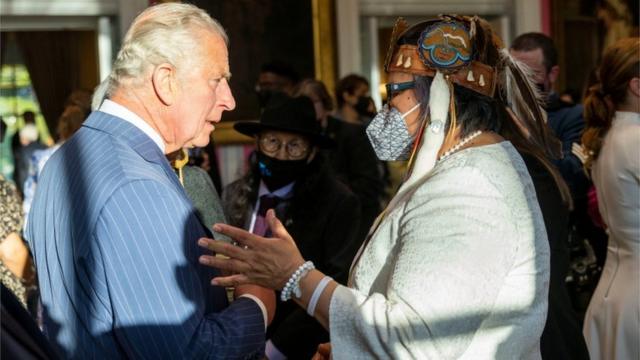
[113, 233]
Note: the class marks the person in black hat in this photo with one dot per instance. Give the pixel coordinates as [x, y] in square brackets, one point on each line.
[275, 78]
[352, 160]
[289, 174]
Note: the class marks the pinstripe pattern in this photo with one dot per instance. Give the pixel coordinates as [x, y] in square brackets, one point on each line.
[113, 236]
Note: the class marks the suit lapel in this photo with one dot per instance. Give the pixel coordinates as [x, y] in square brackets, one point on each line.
[140, 142]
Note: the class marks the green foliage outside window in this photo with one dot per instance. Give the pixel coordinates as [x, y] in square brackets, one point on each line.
[16, 97]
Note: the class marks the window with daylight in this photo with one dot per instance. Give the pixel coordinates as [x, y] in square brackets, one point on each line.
[16, 97]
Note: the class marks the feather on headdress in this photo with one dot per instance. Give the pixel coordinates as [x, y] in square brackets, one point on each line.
[526, 107]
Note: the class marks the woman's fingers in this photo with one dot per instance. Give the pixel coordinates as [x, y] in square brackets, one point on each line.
[232, 265]
[233, 280]
[241, 236]
[224, 248]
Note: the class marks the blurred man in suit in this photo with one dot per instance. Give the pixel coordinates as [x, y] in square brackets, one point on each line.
[561, 338]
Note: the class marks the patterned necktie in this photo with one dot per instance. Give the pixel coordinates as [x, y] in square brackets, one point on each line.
[266, 202]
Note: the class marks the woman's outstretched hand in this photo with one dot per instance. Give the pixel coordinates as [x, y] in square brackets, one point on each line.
[267, 262]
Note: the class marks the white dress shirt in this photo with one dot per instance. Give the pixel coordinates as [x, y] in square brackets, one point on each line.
[284, 192]
[117, 110]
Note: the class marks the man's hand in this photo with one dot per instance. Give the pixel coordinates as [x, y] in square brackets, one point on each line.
[268, 297]
[579, 152]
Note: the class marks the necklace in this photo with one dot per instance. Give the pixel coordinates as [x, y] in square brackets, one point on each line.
[460, 144]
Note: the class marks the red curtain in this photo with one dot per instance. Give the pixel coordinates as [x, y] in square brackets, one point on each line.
[53, 59]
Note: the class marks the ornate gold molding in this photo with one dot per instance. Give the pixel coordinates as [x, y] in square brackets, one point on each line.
[324, 41]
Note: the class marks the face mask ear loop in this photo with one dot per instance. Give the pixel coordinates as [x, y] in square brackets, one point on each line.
[410, 111]
[416, 144]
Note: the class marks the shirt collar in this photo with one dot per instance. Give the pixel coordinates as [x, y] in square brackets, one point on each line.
[115, 109]
[284, 192]
[627, 116]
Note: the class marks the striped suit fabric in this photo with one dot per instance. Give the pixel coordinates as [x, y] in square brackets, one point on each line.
[114, 238]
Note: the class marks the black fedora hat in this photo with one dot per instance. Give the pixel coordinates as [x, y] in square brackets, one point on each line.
[295, 115]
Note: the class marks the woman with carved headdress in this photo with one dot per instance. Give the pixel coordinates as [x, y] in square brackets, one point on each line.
[457, 265]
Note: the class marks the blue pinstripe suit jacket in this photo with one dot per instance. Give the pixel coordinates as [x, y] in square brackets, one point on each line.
[113, 235]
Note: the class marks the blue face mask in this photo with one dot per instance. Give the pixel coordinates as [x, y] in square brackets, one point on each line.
[389, 135]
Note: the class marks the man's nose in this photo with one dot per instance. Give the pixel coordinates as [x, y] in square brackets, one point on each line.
[282, 152]
[225, 97]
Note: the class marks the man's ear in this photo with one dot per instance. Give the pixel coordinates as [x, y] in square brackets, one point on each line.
[634, 86]
[554, 72]
[164, 81]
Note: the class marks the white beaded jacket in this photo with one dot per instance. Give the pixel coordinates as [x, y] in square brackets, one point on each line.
[458, 269]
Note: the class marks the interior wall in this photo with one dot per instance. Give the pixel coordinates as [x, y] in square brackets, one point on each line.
[259, 32]
[363, 51]
[59, 7]
[516, 15]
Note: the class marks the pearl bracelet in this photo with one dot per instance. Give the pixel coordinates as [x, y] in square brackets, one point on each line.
[293, 284]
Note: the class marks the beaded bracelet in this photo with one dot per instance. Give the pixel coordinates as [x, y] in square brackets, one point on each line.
[293, 284]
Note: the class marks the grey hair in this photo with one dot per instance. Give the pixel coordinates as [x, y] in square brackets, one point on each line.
[164, 33]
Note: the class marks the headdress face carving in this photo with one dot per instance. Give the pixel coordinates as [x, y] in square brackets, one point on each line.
[446, 46]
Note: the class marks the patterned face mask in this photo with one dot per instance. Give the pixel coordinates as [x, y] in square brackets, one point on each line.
[389, 135]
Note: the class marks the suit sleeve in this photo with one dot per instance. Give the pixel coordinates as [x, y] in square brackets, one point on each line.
[147, 237]
[568, 129]
[299, 335]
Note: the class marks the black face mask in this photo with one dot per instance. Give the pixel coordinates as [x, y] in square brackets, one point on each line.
[362, 107]
[277, 173]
